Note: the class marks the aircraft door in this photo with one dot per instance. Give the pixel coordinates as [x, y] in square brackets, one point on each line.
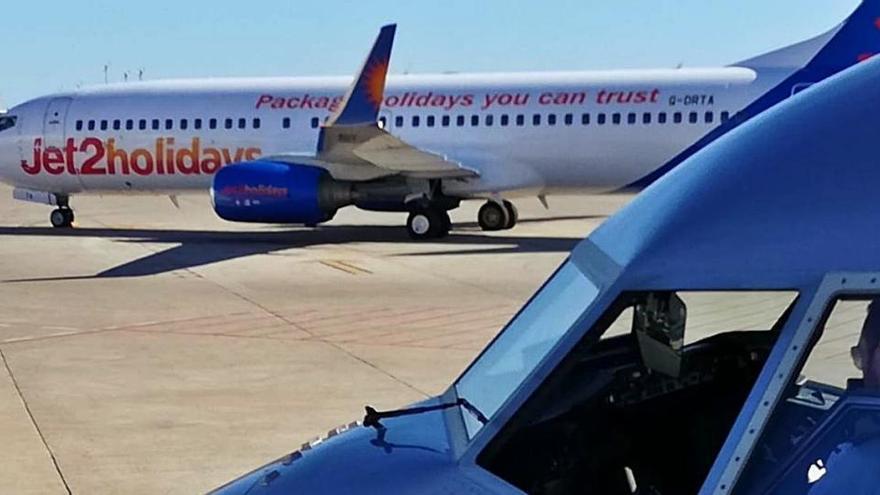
[54, 137]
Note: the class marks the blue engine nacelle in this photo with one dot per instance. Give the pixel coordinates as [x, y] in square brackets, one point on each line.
[277, 192]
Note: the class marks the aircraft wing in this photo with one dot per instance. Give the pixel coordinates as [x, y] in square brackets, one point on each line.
[370, 146]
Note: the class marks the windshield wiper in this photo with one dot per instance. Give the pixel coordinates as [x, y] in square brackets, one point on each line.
[373, 416]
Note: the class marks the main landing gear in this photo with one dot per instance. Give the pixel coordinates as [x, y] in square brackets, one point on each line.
[497, 215]
[428, 223]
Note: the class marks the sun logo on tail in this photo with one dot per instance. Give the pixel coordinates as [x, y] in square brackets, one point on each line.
[374, 81]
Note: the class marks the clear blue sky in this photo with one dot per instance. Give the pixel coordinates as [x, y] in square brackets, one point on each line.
[52, 45]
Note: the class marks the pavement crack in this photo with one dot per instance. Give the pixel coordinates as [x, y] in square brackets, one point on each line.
[33, 420]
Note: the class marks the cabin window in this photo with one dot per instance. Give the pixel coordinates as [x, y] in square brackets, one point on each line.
[536, 119]
[315, 122]
[197, 124]
[661, 118]
[585, 119]
[826, 424]
[615, 119]
[398, 121]
[212, 123]
[242, 123]
[475, 120]
[415, 121]
[600, 119]
[91, 125]
[676, 117]
[505, 120]
[117, 124]
[646, 118]
[184, 124]
[641, 404]
[129, 124]
[227, 123]
[631, 118]
[551, 119]
[155, 124]
[429, 121]
[79, 125]
[569, 119]
[169, 124]
[142, 124]
[444, 121]
[489, 120]
[693, 118]
[103, 125]
[459, 121]
[709, 117]
[725, 116]
[520, 120]
[256, 123]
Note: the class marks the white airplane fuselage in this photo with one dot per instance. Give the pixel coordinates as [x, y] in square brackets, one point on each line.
[529, 133]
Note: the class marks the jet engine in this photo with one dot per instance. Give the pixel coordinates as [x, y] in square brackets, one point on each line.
[275, 192]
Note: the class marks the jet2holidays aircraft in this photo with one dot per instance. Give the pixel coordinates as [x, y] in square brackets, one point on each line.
[720, 335]
[295, 150]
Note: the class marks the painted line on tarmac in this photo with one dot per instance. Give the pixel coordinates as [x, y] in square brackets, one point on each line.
[34, 422]
[346, 267]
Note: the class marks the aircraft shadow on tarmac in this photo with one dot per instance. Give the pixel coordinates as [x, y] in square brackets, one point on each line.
[193, 248]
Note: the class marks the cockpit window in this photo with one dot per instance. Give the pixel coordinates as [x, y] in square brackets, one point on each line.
[525, 341]
[7, 122]
[646, 407]
[824, 435]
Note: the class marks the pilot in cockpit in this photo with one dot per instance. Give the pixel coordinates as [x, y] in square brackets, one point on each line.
[854, 467]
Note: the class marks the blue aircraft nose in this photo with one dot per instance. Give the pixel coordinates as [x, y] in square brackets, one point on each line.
[408, 454]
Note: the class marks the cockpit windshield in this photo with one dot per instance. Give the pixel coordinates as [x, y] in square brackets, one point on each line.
[524, 343]
[7, 122]
[644, 401]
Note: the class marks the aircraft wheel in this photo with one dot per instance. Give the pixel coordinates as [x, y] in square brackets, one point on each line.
[512, 215]
[61, 218]
[447, 224]
[427, 223]
[493, 216]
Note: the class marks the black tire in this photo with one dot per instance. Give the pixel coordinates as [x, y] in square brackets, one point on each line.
[445, 224]
[70, 216]
[61, 218]
[512, 215]
[427, 223]
[492, 216]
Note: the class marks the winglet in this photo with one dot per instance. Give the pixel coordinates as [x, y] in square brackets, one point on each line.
[364, 98]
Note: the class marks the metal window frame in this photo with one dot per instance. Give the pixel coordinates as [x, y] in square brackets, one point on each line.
[793, 344]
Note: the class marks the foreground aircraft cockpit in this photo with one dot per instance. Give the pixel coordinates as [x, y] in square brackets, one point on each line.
[719, 335]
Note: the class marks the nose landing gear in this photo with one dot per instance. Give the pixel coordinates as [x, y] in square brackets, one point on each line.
[61, 218]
